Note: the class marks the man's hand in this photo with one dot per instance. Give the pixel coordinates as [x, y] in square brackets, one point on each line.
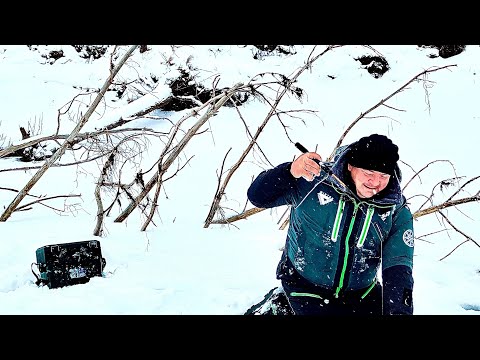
[305, 167]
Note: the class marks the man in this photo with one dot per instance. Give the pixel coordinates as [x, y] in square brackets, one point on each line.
[350, 242]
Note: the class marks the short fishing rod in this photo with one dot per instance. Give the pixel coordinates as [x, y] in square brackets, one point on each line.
[327, 169]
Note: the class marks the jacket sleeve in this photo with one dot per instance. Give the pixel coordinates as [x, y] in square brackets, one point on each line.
[272, 187]
[397, 265]
[397, 290]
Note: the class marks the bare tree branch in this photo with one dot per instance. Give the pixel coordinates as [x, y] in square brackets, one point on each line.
[286, 87]
[100, 212]
[445, 205]
[422, 169]
[77, 139]
[381, 102]
[459, 231]
[342, 137]
[39, 201]
[218, 194]
[160, 182]
[11, 207]
[241, 216]
[215, 106]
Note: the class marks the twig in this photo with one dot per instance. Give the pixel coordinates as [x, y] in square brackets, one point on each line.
[418, 172]
[39, 201]
[241, 216]
[459, 231]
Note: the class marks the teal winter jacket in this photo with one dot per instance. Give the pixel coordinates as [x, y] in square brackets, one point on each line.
[339, 241]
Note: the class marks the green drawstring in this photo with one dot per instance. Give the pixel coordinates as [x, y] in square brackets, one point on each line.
[294, 293]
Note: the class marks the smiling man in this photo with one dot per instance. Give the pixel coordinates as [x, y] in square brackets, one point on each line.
[350, 242]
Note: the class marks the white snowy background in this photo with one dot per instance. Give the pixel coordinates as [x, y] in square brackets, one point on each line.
[178, 267]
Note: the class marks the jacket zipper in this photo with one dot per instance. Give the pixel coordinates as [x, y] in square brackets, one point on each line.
[347, 250]
[366, 225]
[338, 219]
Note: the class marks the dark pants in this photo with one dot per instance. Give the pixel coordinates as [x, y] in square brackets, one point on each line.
[321, 301]
[324, 304]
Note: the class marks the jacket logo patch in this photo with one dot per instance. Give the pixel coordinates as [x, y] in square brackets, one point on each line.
[385, 215]
[408, 237]
[323, 198]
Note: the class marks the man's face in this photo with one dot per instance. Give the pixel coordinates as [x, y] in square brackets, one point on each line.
[368, 182]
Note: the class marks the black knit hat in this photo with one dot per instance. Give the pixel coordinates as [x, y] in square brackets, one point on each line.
[375, 152]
